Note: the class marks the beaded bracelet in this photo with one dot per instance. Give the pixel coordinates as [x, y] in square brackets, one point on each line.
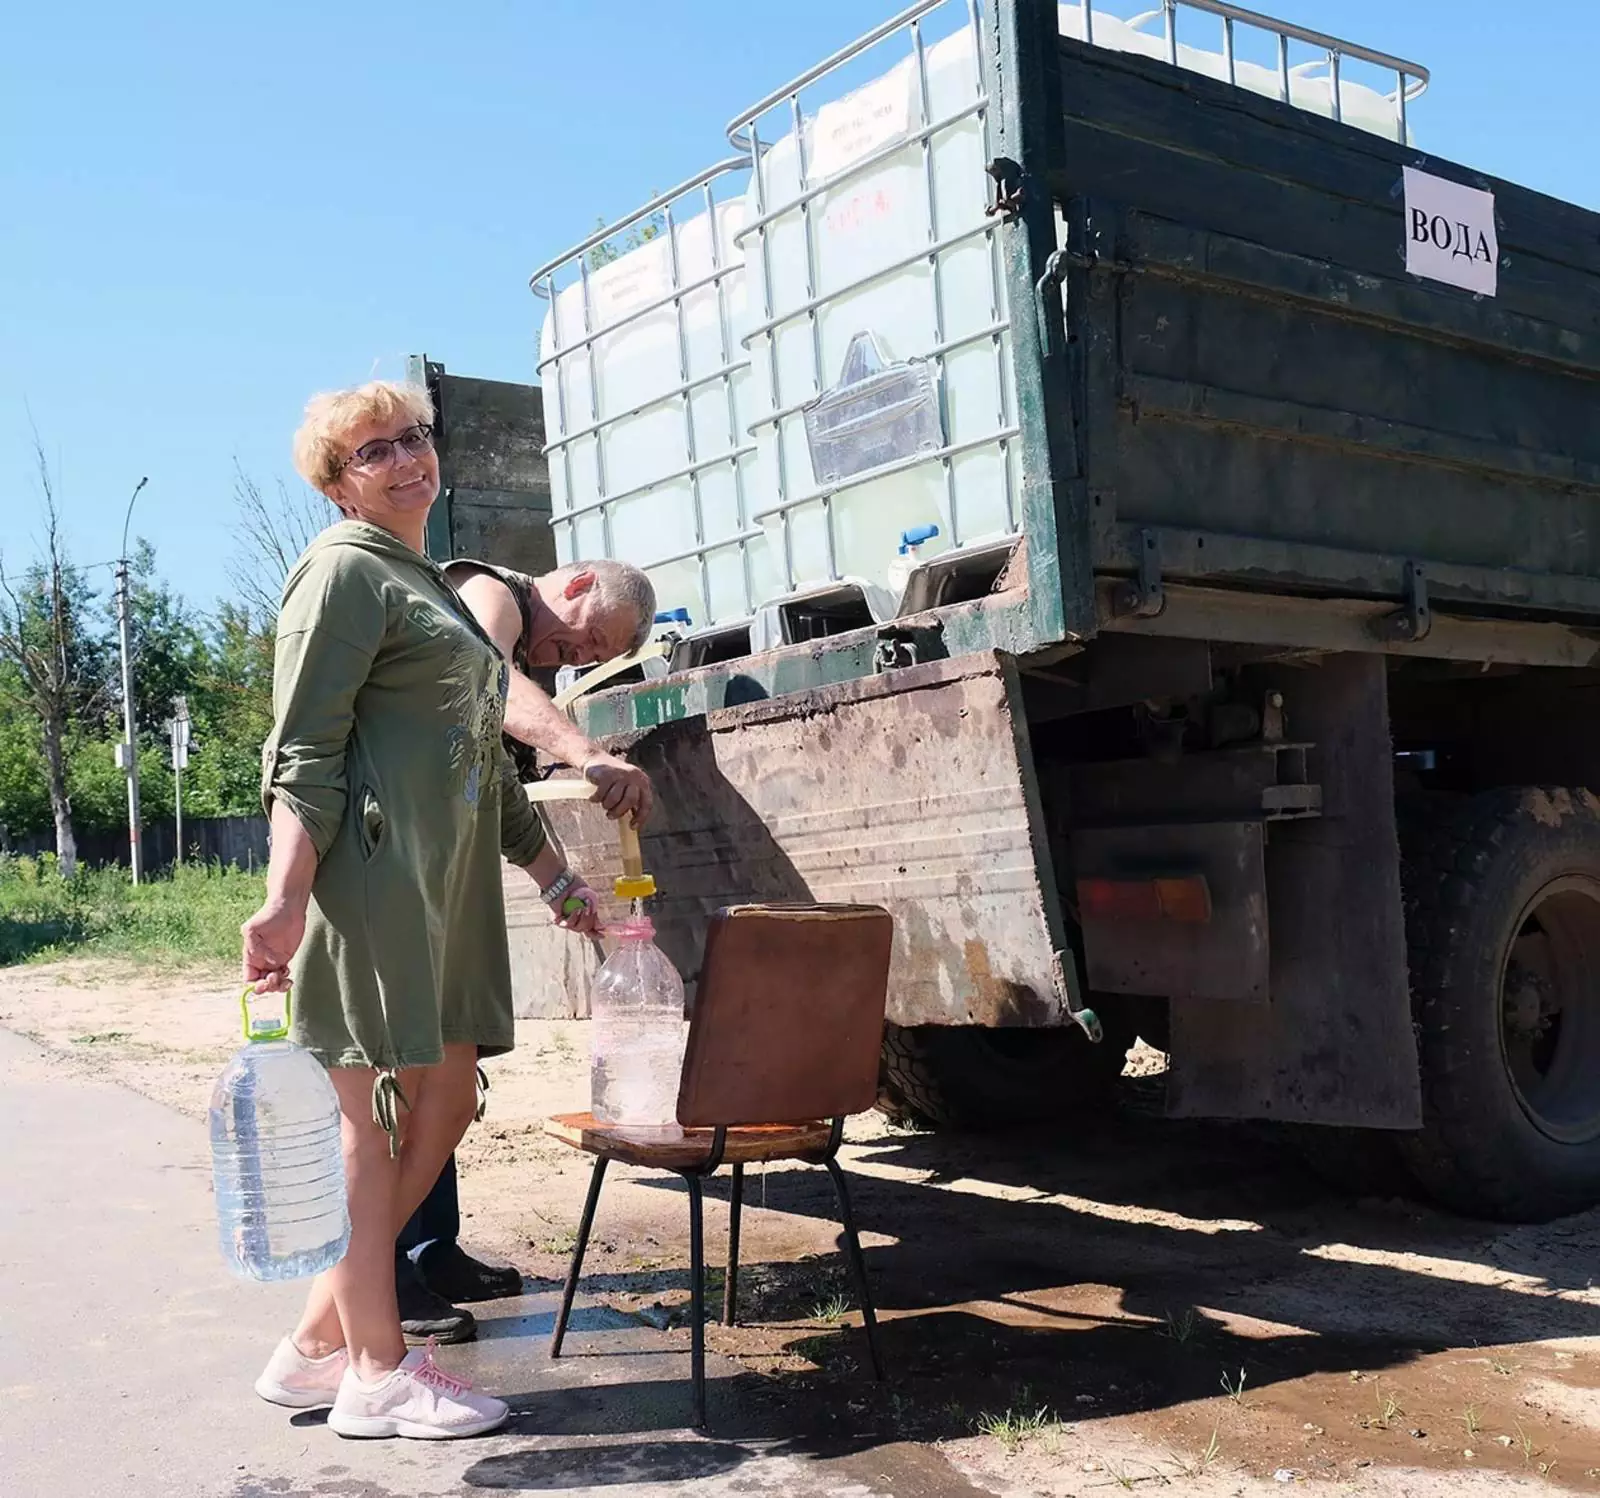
[558, 886]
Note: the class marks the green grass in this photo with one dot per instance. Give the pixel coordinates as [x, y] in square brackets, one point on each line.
[1181, 1325]
[832, 1310]
[1017, 1425]
[192, 915]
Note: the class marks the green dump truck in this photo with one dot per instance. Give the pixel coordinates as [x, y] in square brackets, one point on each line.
[1127, 508]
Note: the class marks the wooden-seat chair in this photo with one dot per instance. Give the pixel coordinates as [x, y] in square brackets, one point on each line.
[783, 1045]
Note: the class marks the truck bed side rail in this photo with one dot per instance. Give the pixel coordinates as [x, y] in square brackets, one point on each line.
[1411, 79]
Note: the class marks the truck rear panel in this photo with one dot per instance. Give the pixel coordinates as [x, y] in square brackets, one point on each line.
[1263, 397]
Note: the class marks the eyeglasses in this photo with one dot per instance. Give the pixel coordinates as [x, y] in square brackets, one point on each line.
[381, 451]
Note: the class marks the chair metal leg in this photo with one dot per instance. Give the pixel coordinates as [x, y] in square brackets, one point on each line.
[576, 1267]
[858, 1266]
[697, 1298]
[730, 1285]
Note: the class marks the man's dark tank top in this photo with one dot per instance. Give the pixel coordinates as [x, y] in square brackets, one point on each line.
[521, 587]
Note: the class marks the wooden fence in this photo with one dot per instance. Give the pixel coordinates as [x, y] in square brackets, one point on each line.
[239, 841]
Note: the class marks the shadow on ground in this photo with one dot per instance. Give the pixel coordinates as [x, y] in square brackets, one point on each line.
[1068, 1277]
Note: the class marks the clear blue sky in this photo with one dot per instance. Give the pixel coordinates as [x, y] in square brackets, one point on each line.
[208, 211]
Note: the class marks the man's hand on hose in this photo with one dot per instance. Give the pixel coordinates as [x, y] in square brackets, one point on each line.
[623, 789]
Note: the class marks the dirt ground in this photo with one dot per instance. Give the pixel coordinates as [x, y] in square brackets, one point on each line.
[1131, 1303]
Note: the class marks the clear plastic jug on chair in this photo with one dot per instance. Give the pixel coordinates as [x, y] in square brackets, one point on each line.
[637, 1035]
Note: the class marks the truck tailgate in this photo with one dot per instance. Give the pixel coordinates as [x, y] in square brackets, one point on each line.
[912, 789]
[1266, 398]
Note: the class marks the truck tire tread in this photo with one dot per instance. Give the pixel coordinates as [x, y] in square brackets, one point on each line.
[1449, 867]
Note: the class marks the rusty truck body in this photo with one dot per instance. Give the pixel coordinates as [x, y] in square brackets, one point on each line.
[1250, 704]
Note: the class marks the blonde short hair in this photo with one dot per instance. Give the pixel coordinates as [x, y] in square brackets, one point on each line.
[321, 446]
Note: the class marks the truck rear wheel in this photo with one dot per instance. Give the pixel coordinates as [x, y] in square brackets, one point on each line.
[970, 1077]
[1503, 922]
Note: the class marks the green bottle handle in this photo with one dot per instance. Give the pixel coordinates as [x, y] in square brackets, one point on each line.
[263, 1031]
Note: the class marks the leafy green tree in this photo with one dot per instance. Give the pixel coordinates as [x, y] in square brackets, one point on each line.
[231, 704]
[170, 650]
[24, 795]
[60, 686]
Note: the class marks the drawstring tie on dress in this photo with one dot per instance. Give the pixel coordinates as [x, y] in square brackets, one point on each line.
[387, 1100]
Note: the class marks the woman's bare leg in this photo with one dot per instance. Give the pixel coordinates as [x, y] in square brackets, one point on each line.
[443, 1099]
[353, 1304]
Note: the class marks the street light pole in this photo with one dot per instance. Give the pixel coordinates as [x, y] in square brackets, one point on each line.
[127, 750]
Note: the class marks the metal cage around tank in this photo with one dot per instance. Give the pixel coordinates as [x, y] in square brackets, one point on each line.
[744, 132]
[707, 190]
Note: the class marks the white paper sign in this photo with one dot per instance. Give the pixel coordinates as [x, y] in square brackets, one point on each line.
[856, 125]
[1450, 234]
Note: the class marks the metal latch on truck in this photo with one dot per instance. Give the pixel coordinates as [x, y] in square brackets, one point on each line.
[1007, 202]
[1414, 619]
[1143, 596]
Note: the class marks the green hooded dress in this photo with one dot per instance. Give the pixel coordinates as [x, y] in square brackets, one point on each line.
[387, 705]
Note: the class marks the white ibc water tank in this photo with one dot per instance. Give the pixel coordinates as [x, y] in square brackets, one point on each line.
[672, 464]
[845, 287]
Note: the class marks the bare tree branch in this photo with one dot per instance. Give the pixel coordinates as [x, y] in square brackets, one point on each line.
[272, 534]
[37, 638]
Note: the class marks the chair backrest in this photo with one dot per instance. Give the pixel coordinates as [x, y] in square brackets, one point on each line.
[788, 1015]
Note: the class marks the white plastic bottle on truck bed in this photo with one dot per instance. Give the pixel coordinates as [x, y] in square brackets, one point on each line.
[637, 1034]
[908, 558]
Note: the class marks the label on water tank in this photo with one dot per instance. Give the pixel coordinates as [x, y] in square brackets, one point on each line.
[641, 276]
[858, 124]
[1450, 233]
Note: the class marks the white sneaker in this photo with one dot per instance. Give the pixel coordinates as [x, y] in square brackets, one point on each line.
[298, 1382]
[419, 1399]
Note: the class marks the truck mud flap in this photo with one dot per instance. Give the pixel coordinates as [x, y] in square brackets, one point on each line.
[912, 789]
[1333, 1044]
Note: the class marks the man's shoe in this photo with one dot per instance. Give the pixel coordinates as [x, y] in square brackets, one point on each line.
[448, 1270]
[424, 1315]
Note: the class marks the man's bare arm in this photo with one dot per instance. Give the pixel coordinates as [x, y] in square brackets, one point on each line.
[532, 718]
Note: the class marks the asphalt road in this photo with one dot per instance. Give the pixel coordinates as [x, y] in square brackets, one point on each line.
[128, 1352]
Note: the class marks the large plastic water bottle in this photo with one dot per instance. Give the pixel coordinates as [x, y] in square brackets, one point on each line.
[282, 1212]
[638, 1034]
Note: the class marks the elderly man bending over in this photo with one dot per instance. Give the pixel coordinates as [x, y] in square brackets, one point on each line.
[576, 616]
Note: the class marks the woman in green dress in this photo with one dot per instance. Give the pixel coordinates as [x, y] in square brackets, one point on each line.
[391, 803]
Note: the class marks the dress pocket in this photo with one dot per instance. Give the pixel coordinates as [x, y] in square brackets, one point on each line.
[369, 822]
